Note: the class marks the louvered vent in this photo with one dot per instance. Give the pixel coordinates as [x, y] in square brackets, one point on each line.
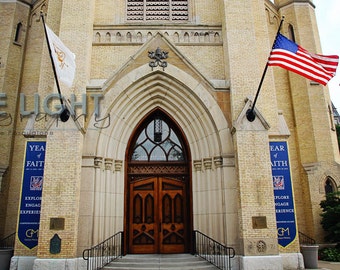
[135, 10]
[179, 10]
[154, 10]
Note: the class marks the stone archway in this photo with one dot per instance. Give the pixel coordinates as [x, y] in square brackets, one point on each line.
[190, 103]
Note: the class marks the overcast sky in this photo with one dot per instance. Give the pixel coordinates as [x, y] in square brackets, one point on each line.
[328, 17]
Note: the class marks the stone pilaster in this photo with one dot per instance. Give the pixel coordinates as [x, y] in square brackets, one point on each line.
[63, 161]
[255, 186]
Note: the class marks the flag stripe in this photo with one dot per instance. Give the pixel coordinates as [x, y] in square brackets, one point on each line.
[289, 55]
[301, 61]
[324, 61]
[300, 64]
[300, 71]
[329, 62]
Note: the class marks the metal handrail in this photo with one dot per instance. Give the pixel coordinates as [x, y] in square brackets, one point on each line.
[8, 241]
[102, 254]
[305, 239]
[212, 251]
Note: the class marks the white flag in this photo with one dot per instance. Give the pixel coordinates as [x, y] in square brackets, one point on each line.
[63, 58]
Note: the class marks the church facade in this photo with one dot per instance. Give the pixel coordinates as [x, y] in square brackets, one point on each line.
[158, 143]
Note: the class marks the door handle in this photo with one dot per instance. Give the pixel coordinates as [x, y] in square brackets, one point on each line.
[160, 228]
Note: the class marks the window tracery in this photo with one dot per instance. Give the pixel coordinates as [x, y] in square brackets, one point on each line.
[158, 142]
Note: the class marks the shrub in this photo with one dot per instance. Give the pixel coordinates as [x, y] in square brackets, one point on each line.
[330, 254]
[331, 217]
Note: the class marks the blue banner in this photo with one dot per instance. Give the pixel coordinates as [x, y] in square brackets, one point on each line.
[32, 183]
[283, 193]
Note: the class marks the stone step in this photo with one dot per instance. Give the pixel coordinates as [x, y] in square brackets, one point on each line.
[161, 261]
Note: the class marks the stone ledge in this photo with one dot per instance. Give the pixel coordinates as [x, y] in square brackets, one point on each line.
[284, 261]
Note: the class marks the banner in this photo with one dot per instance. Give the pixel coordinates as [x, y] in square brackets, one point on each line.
[32, 183]
[283, 193]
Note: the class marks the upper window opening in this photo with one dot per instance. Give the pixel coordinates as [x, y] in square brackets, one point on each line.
[330, 186]
[18, 33]
[154, 10]
[158, 140]
[291, 32]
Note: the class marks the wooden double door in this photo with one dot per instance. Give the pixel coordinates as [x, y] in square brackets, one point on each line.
[158, 216]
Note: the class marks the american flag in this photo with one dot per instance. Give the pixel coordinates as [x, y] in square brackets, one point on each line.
[290, 56]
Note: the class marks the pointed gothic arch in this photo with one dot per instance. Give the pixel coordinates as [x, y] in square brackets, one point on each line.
[158, 187]
[330, 185]
[184, 97]
[128, 99]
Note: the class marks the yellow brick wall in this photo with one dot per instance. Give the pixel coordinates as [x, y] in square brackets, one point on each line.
[255, 188]
[312, 143]
[11, 55]
[60, 197]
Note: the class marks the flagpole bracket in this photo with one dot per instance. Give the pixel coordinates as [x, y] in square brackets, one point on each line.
[250, 114]
[64, 115]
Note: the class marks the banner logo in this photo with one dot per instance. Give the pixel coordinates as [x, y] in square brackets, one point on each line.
[36, 183]
[278, 182]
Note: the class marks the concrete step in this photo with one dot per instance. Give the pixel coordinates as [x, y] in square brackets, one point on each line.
[161, 261]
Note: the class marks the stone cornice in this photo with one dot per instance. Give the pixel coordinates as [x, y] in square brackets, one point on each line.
[289, 2]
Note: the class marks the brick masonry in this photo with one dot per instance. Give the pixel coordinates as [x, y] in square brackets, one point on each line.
[215, 62]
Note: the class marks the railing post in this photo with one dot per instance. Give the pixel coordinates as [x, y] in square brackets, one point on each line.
[194, 242]
[122, 244]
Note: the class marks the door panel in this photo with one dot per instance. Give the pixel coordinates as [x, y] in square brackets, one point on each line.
[143, 233]
[157, 215]
[172, 237]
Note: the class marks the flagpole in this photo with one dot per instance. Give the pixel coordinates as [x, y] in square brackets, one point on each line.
[250, 112]
[65, 114]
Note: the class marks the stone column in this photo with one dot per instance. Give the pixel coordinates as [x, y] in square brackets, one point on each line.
[218, 200]
[119, 205]
[99, 187]
[207, 164]
[196, 190]
[109, 198]
[87, 201]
